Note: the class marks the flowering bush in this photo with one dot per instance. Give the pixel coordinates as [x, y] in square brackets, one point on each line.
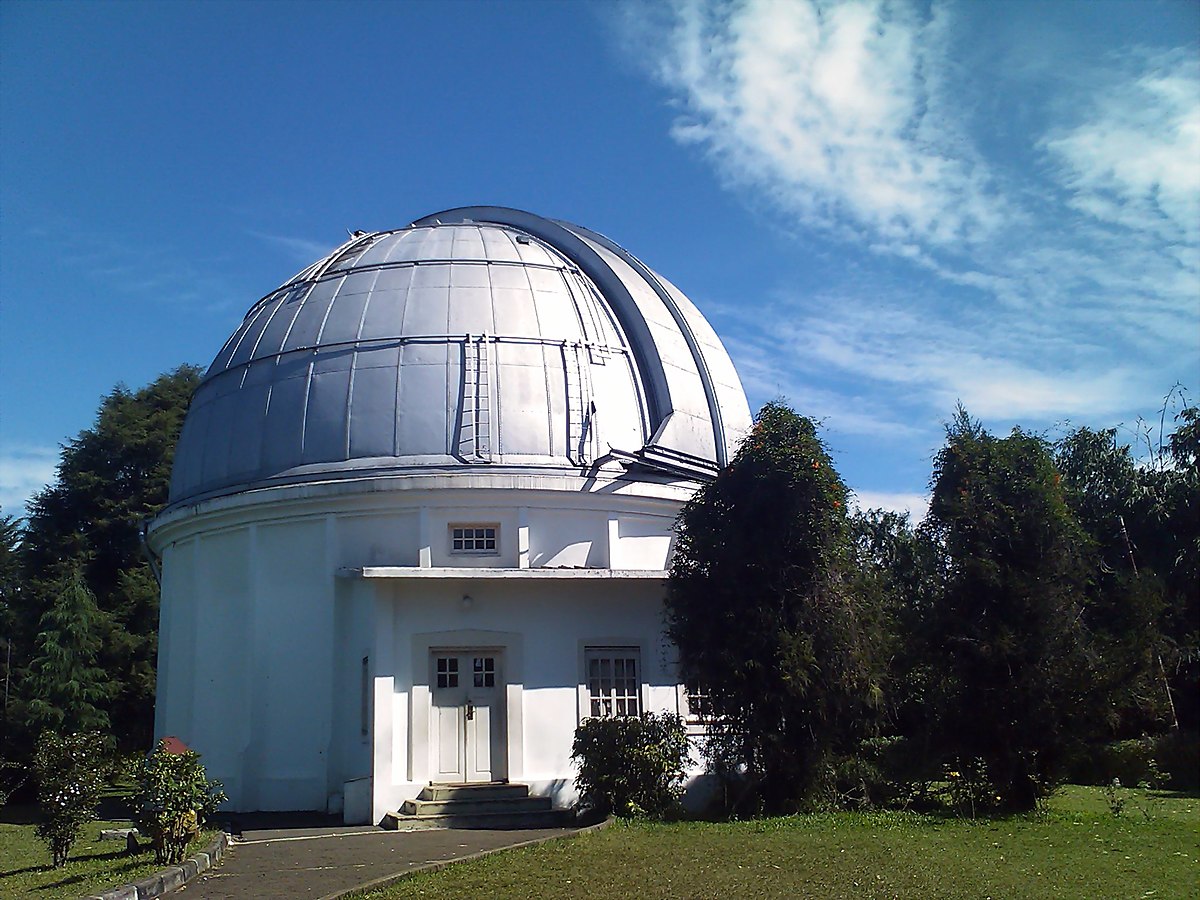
[173, 799]
[70, 773]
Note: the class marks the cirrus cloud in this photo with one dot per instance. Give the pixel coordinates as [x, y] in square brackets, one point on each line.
[1053, 260]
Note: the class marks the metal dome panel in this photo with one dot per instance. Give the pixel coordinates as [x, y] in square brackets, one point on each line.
[475, 337]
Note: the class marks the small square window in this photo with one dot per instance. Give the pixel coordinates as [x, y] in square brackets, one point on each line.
[447, 671]
[485, 671]
[478, 539]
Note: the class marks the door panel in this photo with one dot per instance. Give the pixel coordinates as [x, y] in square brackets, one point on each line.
[479, 744]
[468, 716]
[450, 761]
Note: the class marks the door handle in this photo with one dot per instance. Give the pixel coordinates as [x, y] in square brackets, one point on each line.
[470, 710]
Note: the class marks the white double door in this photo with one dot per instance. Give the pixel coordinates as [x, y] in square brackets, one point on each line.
[468, 715]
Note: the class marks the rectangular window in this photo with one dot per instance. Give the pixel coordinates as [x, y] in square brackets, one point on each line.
[485, 671]
[447, 671]
[699, 703]
[481, 539]
[614, 688]
[364, 711]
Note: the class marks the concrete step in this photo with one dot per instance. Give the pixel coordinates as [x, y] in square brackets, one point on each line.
[486, 805]
[550, 818]
[495, 790]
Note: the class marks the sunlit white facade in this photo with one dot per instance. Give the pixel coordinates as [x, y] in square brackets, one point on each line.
[422, 510]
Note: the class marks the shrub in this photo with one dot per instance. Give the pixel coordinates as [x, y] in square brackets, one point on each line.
[173, 800]
[1178, 754]
[968, 790]
[70, 773]
[632, 766]
[1131, 762]
[882, 773]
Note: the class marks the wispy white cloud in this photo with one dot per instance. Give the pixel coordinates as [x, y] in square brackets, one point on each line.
[834, 111]
[770, 369]
[1063, 275]
[149, 270]
[299, 249]
[24, 470]
[1134, 159]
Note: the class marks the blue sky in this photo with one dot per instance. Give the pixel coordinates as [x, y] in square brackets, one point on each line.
[883, 208]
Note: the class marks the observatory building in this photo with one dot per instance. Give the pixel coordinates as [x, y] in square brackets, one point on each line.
[422, 510]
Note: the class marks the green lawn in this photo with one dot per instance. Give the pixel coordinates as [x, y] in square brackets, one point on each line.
[93, 866]
[1077, 848]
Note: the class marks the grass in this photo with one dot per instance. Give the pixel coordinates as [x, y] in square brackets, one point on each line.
[1076, 847]
[93, 866]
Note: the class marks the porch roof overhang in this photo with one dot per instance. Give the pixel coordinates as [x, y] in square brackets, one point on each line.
[455, 572]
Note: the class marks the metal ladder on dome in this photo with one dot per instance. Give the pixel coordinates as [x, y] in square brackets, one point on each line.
[475, 432]
[578, 404]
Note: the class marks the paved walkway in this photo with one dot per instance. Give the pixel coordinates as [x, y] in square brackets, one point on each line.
[317, 862]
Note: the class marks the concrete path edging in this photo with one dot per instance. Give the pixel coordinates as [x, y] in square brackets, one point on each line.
[438, 866]
[170, 878]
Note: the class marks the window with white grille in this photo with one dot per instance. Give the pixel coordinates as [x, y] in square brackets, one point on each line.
[614, 688]
[479, 539]
[699, 703]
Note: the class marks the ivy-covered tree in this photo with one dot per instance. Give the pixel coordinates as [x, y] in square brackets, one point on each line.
[1016, 683]
[760, 607]
[110, 480]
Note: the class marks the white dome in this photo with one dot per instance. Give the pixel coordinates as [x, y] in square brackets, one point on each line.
[477, 337]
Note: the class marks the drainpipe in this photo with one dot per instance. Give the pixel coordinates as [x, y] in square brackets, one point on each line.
[154, 561]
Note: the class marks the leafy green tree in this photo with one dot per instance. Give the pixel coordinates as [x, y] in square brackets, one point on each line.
[1176, 558]
[760, 606]
[111, 479]
[1144, 519]
[897, 575]
[68, 691]
[1016, 686]
[1107, 492]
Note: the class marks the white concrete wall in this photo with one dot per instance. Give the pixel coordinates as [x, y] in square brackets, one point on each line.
[568, 537]
[261, 639]
[545, 672]
[246, 656]
[641, 542]
[350, 748]
[291, 676]
[378, 539]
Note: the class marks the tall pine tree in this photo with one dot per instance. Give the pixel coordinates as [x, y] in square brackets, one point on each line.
[1005, 632]
[760, 605]
[111, 479]
[68, 691]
